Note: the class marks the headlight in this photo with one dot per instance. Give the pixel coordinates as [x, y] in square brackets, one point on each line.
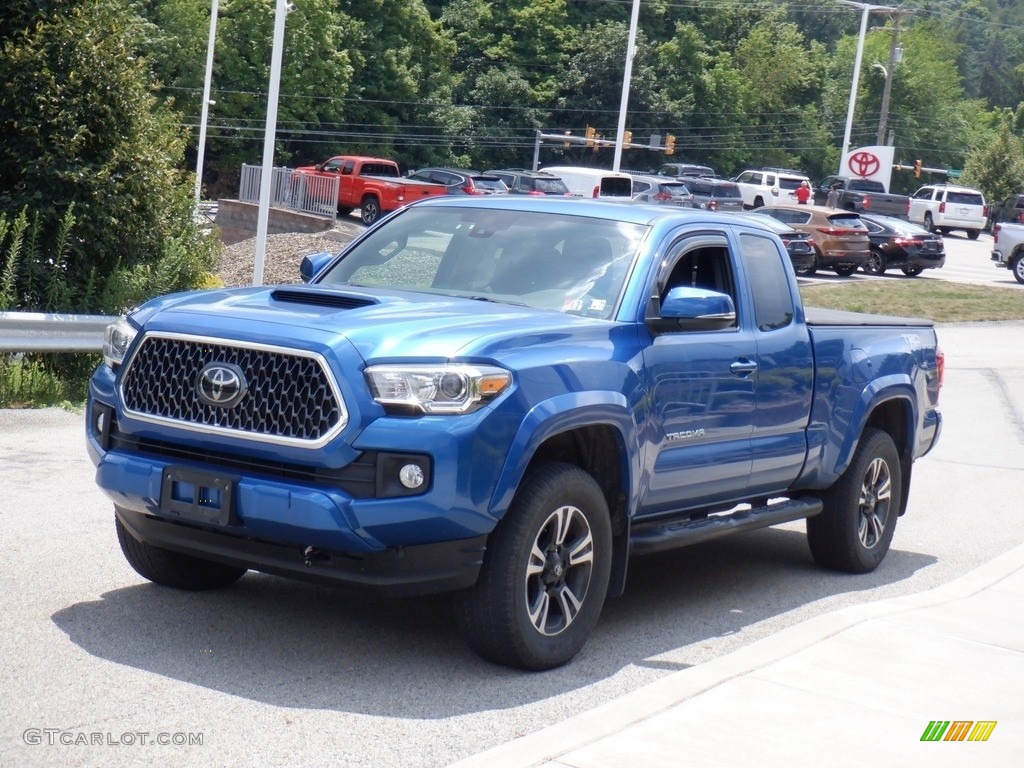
[436, 388]
[117, 338]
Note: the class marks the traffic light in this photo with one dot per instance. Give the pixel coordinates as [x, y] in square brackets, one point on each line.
[591, 134]
[917, 169]
[670, 144]
[627, 137]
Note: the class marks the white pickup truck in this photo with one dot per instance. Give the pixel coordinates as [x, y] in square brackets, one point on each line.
[1008, 248]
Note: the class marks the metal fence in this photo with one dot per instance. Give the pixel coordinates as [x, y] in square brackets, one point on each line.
[307, 193]
[39, 332]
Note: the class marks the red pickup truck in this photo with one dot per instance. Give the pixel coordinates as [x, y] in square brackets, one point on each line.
[371, 184]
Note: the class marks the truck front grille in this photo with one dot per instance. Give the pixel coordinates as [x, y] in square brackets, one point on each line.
[288, 395]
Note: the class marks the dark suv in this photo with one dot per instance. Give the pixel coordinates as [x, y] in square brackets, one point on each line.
[715, 194]
[1011, 209]
[523, 182]
[461, 181]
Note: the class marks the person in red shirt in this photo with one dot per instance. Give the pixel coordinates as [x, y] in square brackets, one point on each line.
[803, 193]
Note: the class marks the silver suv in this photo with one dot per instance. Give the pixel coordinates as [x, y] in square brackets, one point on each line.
[943, 207]
[766, 187]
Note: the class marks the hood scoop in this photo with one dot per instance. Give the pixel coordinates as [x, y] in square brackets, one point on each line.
[321, 299]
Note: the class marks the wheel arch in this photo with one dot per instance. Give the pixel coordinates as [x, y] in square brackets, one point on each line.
[600, 438]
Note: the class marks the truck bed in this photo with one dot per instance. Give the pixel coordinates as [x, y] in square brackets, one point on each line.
[837, 317]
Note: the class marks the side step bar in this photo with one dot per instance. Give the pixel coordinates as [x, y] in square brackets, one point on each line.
[658, 536]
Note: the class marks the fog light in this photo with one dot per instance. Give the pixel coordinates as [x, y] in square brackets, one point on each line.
[411, 476]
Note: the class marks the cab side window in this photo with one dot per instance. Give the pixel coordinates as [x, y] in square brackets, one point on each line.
[703, 266]
[769, 282]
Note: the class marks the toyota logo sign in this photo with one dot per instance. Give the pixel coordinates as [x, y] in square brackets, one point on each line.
[221, 384]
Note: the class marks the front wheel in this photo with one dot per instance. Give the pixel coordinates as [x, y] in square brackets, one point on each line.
[1018, 268]
[173, 569]
[545, 573]
[369, 210]
[853, 531]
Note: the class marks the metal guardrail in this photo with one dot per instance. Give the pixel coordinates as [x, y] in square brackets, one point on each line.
[40, 332]
[306, 193]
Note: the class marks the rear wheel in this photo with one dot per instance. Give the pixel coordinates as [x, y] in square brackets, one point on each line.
[758, 202]
[855, 529]
[972, 234]
[545, 573]
[369, 210]
[1018, 268]
[912, 271]
[173, 569]
[929, 222]
[875, 264]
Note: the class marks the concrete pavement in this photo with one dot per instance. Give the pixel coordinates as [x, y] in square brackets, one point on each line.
[856, 687]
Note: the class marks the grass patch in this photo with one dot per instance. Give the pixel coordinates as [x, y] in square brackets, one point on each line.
[938, 300]
[25, 382]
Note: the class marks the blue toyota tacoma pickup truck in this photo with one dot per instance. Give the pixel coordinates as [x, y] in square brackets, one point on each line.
[508, 398]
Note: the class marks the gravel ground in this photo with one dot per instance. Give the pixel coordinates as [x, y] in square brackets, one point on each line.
[283, 254]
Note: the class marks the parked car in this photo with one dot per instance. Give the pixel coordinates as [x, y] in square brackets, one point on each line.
[944, 207]
[715, 194]
[522, 182]
[593, 182]
[798, 244]
[661, 190]
[1008, 248]
[766, 187]
[562, 385]
[460, 181]
[898, 243]
[1011, 209]
[861, 195]
[840, 237]
[679, 170]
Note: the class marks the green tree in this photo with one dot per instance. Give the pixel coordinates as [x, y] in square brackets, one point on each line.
[80, 128]
[996, 167]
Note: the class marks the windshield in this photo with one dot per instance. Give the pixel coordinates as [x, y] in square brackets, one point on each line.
[572, 264]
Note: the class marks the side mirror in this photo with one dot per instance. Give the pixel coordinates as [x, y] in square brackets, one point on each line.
[313, 265]
[697, 309]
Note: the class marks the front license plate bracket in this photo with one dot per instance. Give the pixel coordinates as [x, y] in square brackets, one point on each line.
[197, 496]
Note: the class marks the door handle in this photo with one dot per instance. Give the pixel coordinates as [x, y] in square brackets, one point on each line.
[743, 367]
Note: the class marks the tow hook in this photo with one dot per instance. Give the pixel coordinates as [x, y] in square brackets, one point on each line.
[313, 555]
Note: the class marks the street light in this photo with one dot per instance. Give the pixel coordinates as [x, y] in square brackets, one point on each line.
[865, 10]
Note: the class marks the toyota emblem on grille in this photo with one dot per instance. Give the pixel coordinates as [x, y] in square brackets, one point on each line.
[221, 384]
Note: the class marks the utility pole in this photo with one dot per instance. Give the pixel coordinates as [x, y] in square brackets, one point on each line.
[895, 57]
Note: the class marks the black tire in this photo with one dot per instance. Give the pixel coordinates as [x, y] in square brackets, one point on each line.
[972, 234]
[758, 202]
[929, 222]
[912, 271]
[345, 210]
[545, 573]
[854, 530]
[1018, 268]
[369, 210]
[173, 569]
[875, 265]
[846, 270]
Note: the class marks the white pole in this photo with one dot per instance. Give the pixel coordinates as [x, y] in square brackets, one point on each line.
[626, 77]
[865, 10]
[206, 100]
[269, 136]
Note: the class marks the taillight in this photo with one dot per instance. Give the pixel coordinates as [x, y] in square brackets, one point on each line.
[940, 365]
[470, 189]
[713, 205]
[1021, 218]
[905, 241]
[597, 191]
[984, 211]
[867, 202]
[995, 233]
[942, 207]
[839, 231]
[908, 208]
[663, 196]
